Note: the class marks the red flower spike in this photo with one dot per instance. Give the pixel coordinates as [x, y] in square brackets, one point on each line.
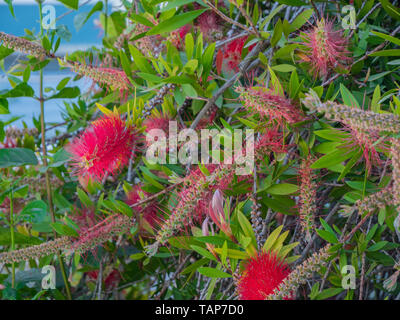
[233, 53]
[104, 148]
[271, 141]
[326, 49]
[367, 142]
[262, 275]
[269, 105]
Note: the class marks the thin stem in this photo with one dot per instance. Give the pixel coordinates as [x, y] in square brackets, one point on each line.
[48, 186]
[12, 240]
[316, 10]
[231, 21]
[106, 19]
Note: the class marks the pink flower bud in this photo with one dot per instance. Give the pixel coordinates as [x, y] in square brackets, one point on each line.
[217, 214]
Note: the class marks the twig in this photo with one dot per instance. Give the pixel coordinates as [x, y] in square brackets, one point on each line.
[178, 270]
[362, 276]
[226, 18]
[309, 245]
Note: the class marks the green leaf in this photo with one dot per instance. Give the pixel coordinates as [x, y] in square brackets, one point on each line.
[59, 158]
[64, 230]
[386, 53]
[270, 16]
[10, 7]
[66, 93]
[16, 157]
[34, 212]
[20, 90]
[391, 10]
[327, 293]
[282, 204]
[332, 134]
[73, 4]
[19, 238]
[27, 74]
[277, 34]
[203, 252]
[375, 105]
[189, 45]
[189, 90]
[387, 37]
[377, 246]
[296, 3]
[333, 158]
[140, 61]
[4, 107]
[175, 22]
[327, 236]
[233, 253]
[141, 20]
[282, 189]
[272, 238]
[84, 198]
[195, 266]
[175, 4]
[5, 52]
[283, 68]
[126, 64]
[247, 228]
[150, 77]
[183, 242]
[224, 253]
[81, 18]
[348, 97]
[213, 273]
[300, 20]
[350, 164]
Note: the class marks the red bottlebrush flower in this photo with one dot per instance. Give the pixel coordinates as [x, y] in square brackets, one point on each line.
[91, 237]
[85, 219]
[8, 143]
[269, 105]
[114, 78]
[326, 48]
[307, 197]
[232, 55]
[149, 211]
[210, 24]
[160, 122]
[261, 276]
[104, 147]
[357, 139]
[271, 141]
[157, 122]
[208, 119]
[110, 281]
